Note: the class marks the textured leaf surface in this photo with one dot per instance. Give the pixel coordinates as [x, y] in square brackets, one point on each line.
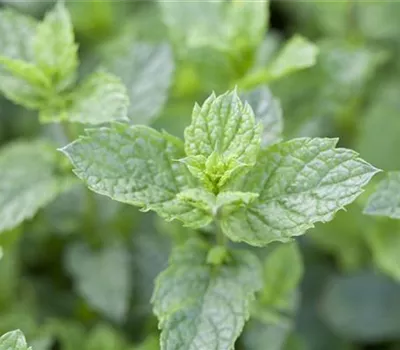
[27, 181]
[300, 182]
[146, 70]
[54, 46]
[386, 199]
[103, 278]
[268, 111]
[101, 98]
[200, 306]
[135, 165]
[14, 340]
[222, 137]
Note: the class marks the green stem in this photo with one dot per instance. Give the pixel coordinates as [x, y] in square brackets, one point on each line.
[220, 237]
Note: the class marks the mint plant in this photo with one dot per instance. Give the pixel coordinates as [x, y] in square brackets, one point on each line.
[14, 340]
[222, 176]
[39, 65]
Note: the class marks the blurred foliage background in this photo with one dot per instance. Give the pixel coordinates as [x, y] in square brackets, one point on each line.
[77, 280]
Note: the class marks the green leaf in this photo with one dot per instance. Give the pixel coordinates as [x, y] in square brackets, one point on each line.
[192, 24]
[256, 335]
[386, 199]
[101, 98]
[283, 270]
[23, 83]
[135, 165]
[247, 22]
[385, 246]
[268, 111]
[14, 340]
[55, 48]
[146, 70]
[103, 337]
[298, 53]
[28, 181]
[201, 306]
[17, 33]
[300, 182]
[102, 277]
[223, 136]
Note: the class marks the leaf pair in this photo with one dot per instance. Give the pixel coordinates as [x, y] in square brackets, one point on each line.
[271, 193]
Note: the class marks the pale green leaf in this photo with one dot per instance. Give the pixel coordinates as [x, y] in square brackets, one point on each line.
[14, 340]
[300, 182]
[268, 111]
[283, 269]
[17, 33]
[54, 46]
[192, 23]
[385, 247]
[103, 278]
[103, 337]
[201, 306]
[101, 98]
[135, 165]
[298, 53]
[222, 137]
[247, 22]
[256, 335]
[386, 199]
[28, 181]
[146, 70]
[23, 83]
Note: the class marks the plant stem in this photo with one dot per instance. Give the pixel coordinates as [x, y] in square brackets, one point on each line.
[221, 238]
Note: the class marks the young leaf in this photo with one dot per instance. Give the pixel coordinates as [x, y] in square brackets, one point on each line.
[298, 53]
[55, 48]
[16, 38]
[386, 199]
[101, 98]
[223, 136]
[203, 306]
[23, 83]
[268, 111]
[20, 81]
[146, 70]
[135, 165]
[27, 181]
[103, 278]
[14, 340]
[300, 182]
